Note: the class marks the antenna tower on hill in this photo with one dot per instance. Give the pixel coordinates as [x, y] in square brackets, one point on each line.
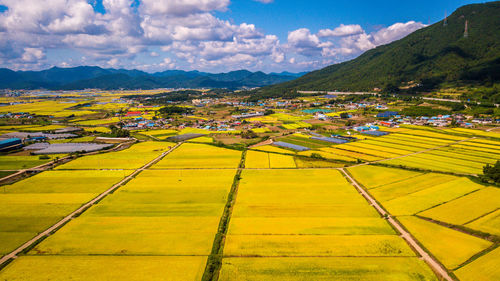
[445, 23]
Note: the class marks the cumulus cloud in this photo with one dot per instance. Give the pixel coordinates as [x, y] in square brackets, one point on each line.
[344, 41]
[177, 33]
[342, 30]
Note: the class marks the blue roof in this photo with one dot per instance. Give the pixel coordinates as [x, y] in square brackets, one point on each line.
[10, 142]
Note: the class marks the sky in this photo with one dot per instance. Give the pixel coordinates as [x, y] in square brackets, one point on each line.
[206, 35]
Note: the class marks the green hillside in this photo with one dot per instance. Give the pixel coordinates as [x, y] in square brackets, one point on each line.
[433, 56]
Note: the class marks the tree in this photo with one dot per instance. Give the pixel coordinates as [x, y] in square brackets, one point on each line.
[344, 115]
[174, 110]
[249, 134]
[492, 173]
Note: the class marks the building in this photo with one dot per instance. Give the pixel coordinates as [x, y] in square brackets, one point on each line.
[10, 144]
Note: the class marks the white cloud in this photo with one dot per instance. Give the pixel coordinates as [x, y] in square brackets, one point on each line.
[342, 30]
[188, 32]
[395, 32]
[181, 7]
[31, 55]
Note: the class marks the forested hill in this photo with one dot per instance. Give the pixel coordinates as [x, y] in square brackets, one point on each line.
[434, 56]
[84, 77]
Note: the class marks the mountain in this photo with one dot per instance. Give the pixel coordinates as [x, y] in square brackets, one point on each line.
[84, 77]
[435, 56]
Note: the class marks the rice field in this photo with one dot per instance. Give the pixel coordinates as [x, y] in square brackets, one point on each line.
[79, 268]
[192, 155]
[374, 176]
[32, 205]
[430, 197]
[265, 160]
[468, 208]
[451, 247]
[323, 269]
[281, 216]
[131, 158]
[490, 223]
[167, 219]
[23, 162]
[485, 266]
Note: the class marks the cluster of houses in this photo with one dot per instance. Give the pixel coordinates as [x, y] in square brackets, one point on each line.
[16, 115]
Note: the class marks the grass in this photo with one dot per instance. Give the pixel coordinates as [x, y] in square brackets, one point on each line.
[102, 268]
[323, 269]
[451, 247]
[191, 155]
[485, 267]
[467, 208]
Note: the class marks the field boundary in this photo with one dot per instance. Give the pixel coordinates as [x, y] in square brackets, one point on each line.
[51, 230]
[431, 261]
[214, 260]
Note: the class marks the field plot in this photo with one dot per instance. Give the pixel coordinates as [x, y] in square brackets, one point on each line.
[323, 269]
[131, 158]
[429, 161]
[451, 199]
[192, 155]
[168, 218]
[468, 208]
[103, 268]
[374, 176]
[430, 197]
[303, 223]
[32, 205]
[489, 223]
[265, 160]
[451, 247]
[22, 162]
[486, 267]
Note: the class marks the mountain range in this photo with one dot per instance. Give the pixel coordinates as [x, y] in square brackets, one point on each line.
[438, 56]
[84, 77]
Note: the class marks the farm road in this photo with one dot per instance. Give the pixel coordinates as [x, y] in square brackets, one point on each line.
[434, 264]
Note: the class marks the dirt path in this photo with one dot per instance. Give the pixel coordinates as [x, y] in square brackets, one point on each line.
[80, 210]
[434, 264]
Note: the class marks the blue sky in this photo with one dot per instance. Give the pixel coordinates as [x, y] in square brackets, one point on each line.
[207, 35]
